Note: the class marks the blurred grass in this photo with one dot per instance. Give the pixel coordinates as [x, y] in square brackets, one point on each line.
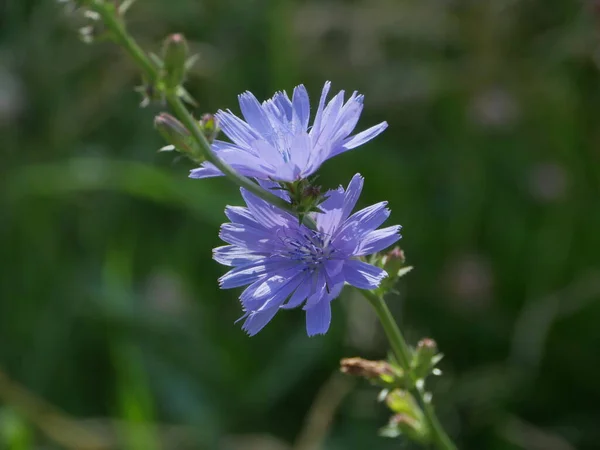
[109, 306]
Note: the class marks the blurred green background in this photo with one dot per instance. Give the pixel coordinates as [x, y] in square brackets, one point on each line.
[113, 333]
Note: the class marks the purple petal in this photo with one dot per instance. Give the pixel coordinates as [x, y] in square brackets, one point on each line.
[284, 105]
[377, 240]
[352, 194]
[301, 105]
[249, 273]
[266, 214]
[257, 320]
[348, 117]
[254, 114]
[274, 188]
[370, 217]
[360, 138]
[299, 294]
[333, 209]
[243, 235]
[218, 145]
[328, 121]
[242, 161]
[277, 288]
[207, 170]
[232, 255]
[363, 275]
[241, 215]
[236, 129]
[301, 147]
[318, 318]
[319, 116]
[318, 289]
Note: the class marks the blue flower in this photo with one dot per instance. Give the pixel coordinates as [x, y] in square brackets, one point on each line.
[276, 143]
[286, 264]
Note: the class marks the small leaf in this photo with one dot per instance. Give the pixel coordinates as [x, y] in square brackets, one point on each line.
[403, 271]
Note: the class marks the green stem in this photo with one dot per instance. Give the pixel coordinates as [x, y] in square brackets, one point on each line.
[109, 16]
[403, 354]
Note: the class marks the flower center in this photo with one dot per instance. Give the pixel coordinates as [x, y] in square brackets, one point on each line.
[309, 248]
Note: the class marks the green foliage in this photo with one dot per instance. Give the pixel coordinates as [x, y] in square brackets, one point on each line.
[109, 305]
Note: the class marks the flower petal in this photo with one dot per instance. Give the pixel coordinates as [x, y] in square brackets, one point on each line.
[370, 217]
[267, 215]
[248, 236]
[241, 215]
[318, 318]
[301, 106]
[360, 138]
[352, 194]
[333, 209]
[254, 114]
[348, 117]
[377, 240]
[236, 129]
[232, 255]
[319, 115]
[276, 289]
[299, 295]
[363, 275]
[256, 320]
[249, 273]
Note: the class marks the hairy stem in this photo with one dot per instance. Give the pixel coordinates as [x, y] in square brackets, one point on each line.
[403, 354]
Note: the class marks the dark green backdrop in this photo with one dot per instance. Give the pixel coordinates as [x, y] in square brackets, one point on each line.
[109, 305]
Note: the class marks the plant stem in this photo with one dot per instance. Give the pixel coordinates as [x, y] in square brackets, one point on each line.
[109, 16]
[403, 354]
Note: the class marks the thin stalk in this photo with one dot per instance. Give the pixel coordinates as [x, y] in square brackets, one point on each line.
[109, 16]
[403, 354]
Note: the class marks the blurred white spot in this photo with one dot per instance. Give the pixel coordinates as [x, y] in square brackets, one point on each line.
[12, 98]
[88, 171]
[548, 182]
[469, 279]
[494, 108]
[164, 293]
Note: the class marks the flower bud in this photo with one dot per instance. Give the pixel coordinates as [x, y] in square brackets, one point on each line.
[210, 127]
[175, 52]
[402, 402]
[393, 261]
[402, 424]
[425, 358]
[173, 131]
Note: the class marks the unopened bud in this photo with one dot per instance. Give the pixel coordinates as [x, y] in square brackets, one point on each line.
[393, 261]
[210, 127]
[412, 428]
[425, 358]
[402, 402]
[175, 52]
[173, 131]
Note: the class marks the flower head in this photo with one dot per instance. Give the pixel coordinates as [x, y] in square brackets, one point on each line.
[276, 143]
[286, 264]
